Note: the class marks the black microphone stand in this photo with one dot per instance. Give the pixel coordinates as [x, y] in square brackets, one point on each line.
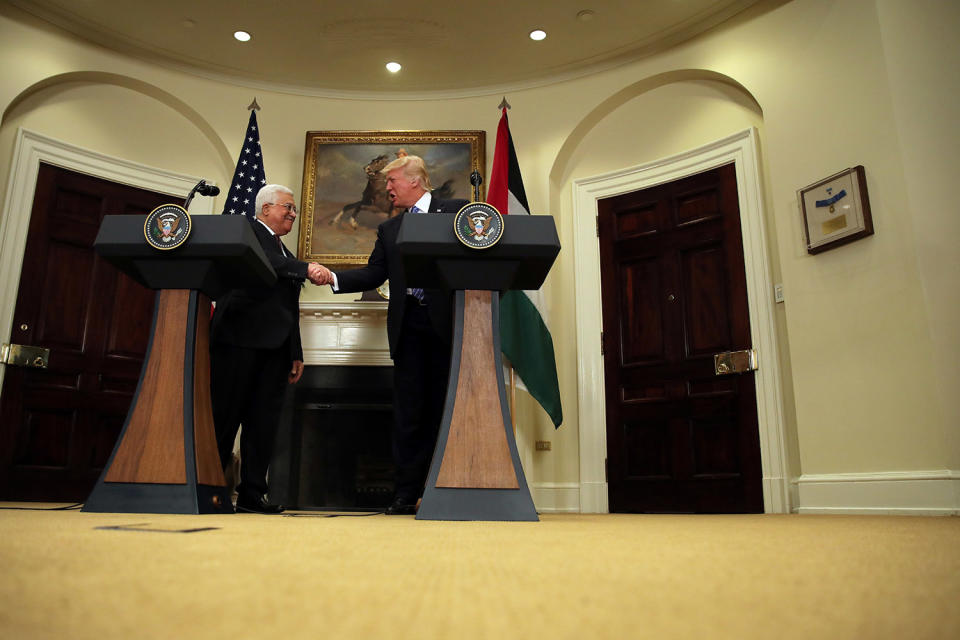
[203, 189]
[476, 180]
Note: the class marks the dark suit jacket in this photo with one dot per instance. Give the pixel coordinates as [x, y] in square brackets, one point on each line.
[384, 262]
[263, 317]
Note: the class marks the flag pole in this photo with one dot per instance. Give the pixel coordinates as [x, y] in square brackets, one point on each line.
[513, 383]
[513, 401]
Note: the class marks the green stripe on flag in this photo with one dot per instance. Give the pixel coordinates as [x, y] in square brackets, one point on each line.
[526, 341]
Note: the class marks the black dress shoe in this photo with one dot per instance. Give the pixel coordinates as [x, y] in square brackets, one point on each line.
[257, 505]
[400, 507]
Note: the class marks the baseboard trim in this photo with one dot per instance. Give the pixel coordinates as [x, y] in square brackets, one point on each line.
[556, 497]
[934, 492]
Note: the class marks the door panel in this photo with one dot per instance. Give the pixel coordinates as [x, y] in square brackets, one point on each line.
[642, 330]
[679, 438]
[704, 294]
[58, 425]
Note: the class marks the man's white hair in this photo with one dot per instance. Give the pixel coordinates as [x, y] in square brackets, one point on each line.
[268, 193]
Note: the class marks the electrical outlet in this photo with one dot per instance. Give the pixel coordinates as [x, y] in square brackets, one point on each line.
[778, 293]
[544, 445]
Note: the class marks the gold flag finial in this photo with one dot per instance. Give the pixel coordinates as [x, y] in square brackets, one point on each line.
[504, 104]
[253, 105]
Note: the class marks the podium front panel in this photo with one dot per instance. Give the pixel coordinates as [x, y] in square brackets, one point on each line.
[221, 253]
[434, 258]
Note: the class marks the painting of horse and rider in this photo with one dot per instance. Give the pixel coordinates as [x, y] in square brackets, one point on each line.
[344, 192]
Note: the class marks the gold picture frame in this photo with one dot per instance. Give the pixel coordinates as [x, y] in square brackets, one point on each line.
[836, 210]
[344, 200]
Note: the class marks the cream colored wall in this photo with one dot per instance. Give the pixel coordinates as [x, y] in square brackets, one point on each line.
[111, 119]
[922, 55]
[860, 349]
[868, 330]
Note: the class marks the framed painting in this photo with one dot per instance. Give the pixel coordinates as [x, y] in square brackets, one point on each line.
[836, 210]
[344, 196]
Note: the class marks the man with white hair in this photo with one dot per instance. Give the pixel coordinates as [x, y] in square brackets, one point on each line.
[255, 351]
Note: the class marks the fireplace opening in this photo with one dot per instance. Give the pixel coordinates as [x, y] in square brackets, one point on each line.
[334, 447]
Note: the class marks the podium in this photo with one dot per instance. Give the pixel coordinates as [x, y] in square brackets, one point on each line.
[165, 459]
[475, 473]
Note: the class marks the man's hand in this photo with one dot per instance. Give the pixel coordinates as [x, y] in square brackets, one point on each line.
[319, 274]
[296, 371]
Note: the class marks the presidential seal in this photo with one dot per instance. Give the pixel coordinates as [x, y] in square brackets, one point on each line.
[478, 225]
[167, 227]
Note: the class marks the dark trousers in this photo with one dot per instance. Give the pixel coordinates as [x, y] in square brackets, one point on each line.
[421, 366]
[247, 387]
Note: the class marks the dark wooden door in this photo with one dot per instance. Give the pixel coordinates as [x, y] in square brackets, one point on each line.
[679, 437]
[58, 425]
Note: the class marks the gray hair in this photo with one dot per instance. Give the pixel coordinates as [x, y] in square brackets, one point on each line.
[267, 194]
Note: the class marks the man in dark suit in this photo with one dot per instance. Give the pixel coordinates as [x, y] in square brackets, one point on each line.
[255, 352]
[419, 330]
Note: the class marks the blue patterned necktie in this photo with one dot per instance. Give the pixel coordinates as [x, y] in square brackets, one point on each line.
[416, 292]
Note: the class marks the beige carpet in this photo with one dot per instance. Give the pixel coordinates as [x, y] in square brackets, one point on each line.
[568, 576]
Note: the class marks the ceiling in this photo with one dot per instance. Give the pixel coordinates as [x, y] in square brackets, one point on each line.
[340, 47]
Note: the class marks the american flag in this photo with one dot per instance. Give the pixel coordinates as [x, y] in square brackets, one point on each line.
[248, 176]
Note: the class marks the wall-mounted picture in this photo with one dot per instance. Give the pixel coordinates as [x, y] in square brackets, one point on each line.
[344, 194]
[836, 210]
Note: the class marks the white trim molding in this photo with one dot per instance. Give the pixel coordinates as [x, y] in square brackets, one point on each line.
[889, 493]
[556, 497]
[344, 333]
[741, 149]
[30, 149]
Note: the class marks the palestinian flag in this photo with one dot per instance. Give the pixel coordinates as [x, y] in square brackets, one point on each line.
[524, 337]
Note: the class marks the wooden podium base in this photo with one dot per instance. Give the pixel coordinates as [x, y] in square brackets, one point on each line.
[166, 460]
[475, 473]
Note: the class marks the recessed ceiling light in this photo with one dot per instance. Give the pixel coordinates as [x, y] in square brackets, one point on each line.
[586, 15]
[393, 67]
[538, 34]
[242, 36]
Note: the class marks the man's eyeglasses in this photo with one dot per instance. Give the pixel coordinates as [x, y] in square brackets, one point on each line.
[291, 208]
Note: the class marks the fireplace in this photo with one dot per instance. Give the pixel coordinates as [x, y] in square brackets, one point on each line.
[333, 449]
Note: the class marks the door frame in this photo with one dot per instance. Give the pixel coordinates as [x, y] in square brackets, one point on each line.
[741, 149]
[32, 148]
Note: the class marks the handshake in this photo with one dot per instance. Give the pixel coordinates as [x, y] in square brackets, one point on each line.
[319, 274]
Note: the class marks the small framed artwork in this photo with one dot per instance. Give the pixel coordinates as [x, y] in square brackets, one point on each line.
[344, 194]
[836, 210]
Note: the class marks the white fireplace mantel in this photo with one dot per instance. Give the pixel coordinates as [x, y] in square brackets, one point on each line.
[344, 333]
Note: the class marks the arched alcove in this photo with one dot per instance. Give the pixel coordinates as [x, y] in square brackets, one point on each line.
[54, 84]
[734, 91]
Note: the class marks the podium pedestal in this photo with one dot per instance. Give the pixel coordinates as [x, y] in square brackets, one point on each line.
[476, 473]
[166, 460]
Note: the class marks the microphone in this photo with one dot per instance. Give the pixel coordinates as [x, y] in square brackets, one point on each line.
[205, 189]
